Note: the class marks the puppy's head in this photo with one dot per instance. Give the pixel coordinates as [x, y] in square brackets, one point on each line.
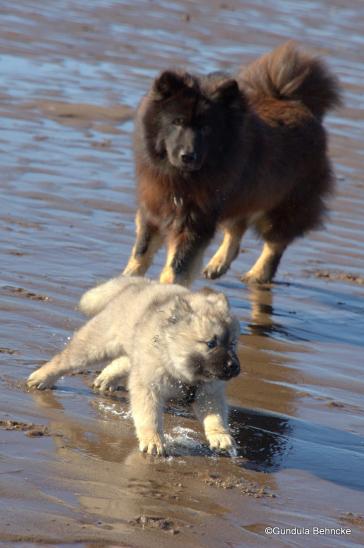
[202, 335]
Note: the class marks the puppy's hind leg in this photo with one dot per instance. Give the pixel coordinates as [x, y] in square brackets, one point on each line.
[111, 377]
[86, 349]
[228, 250]
[211, 409]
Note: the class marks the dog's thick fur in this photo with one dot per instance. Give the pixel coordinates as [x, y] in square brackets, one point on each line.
[220, 152]
[168, 341]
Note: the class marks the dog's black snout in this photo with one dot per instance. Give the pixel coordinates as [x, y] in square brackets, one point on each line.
[188, 157]
[233, 365]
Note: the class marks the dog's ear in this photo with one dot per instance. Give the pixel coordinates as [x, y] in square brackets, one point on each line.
[181, 310]
[169, 83]
[228, 93]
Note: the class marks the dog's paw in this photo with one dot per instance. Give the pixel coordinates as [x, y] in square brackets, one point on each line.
[40, 380]
[107, 383]
[167, 276]
[256, 278]
[215, 269]
[133, 268]
[221, 440]
[152, 444]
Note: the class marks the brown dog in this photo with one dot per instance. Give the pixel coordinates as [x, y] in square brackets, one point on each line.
[214, 152]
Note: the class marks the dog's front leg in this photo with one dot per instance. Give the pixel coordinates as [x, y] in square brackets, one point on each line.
[266, 266]
[148, 241]
[228, 250]
[146, 407]
[184, 256]
[211, 409]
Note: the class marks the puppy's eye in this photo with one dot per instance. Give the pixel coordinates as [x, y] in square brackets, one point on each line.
[178, 122]
[212, 343]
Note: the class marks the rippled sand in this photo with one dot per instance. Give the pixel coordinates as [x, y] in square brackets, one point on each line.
[72, 74]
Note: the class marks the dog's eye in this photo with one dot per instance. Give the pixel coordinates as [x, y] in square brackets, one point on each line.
[178, 122]
[212, 343]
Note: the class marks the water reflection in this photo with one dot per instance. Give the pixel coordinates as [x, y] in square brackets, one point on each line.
[263, 439]
[267, 442]
[264, 316]
[271, 442]
[261, 301]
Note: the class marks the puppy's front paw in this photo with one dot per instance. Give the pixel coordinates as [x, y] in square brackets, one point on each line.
[220, 440]
[151, 443]
[40, 380]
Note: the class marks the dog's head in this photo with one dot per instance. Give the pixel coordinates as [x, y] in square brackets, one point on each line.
[202, 335]
[187, 122]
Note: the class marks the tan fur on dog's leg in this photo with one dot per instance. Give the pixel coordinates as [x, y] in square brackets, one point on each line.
[167, 275]
[227, 252]
[146, 408]
[139, 264]
[211, 409]
[264, 269]
[185, 278]
[143, 251]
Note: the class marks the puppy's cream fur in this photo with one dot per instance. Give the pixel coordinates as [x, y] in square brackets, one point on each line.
[167, 341]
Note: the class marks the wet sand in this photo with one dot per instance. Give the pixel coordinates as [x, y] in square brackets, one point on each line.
[72, 74]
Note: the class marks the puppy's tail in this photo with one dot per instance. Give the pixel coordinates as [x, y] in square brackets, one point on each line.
[289, 73]
[96, 299]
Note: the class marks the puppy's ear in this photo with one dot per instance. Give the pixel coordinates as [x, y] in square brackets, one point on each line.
[216, 298]
[208, 291]
[169, 83]
[228, 93]
[220, 301]
[181, 310]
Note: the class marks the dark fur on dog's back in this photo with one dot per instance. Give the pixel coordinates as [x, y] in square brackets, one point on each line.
[232, 152]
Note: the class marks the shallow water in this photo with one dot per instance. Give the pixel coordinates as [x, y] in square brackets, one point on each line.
[72, 73]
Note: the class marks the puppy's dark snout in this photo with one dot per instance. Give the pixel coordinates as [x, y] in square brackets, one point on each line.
[187, 157]
[232, 365]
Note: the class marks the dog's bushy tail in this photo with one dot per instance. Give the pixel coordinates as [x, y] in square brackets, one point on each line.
[95, 299]
[289, 73]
